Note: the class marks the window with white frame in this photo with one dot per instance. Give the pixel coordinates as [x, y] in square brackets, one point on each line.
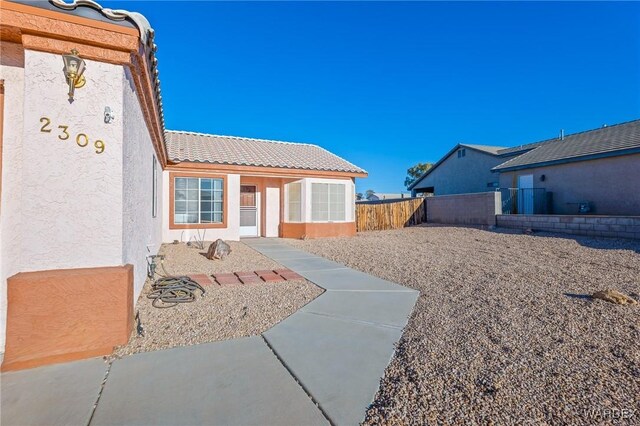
[154, 190]
[198, 200]
[327, 202]
[294, 202]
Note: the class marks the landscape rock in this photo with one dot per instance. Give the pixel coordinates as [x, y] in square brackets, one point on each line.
[614, 296]
[218, 250]
[222, 312]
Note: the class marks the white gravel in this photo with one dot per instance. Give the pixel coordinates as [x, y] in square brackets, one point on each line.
[224, 312]
[503, 332]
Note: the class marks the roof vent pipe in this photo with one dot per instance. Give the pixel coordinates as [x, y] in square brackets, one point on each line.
[561, 134]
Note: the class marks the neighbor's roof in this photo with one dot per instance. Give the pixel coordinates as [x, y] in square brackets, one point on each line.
[606, 141]
[233, 150]
[517, 149]
[494, 150]
[487, 149]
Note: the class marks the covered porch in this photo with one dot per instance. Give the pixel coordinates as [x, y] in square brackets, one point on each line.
[296, 207]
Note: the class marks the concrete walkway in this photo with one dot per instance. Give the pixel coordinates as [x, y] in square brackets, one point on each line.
[339, 345]
[321, 365]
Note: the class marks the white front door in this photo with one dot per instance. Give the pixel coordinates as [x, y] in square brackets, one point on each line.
[525, 194]
[248, 211]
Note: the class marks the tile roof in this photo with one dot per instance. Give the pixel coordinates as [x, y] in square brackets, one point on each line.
[518, 148]
[577, 146]
[232, 150]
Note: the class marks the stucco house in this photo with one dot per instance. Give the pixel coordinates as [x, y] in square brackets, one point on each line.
[92, 183]
[465, 169]
[592, 172]
[253, 187]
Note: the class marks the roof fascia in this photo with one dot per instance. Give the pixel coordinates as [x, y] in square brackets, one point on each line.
[577, 159]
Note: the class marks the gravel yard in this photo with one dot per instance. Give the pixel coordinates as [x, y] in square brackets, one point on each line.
[502, 332]
[224, 312]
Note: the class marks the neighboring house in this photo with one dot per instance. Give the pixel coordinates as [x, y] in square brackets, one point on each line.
[396, 196]
[383, 196]
[464, 169]
[255, 187]
[596, 171]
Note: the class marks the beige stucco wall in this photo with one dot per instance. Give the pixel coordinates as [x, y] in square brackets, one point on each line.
[272, 213]
[141, 232]
[61, 203]
[12, 71]
[611, 185]
[64, 205]
[72, 196]
[464, 209]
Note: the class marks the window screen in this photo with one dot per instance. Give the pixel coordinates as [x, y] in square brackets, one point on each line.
[198, 200]
[294, 202]
[327, 202]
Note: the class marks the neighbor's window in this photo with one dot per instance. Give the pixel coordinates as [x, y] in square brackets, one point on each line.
[295, 202]
[327, 202]
[154, 191]
[198, 200]
[461, 152]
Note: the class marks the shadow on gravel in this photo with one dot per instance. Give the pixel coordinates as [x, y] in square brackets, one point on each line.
[600, 243]
[579, 296]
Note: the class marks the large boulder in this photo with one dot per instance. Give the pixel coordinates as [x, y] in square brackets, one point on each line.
[218, 250]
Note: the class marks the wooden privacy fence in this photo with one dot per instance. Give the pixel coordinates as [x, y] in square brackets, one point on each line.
[378, 216]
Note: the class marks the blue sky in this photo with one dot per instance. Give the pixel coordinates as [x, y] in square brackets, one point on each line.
[387, 85]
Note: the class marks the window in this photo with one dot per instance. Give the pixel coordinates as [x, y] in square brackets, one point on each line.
[327, 202]
[461, 152]
[154, 190]
[198, 200]
[294, 202]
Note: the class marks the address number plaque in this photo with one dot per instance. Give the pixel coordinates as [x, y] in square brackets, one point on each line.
[63, 134]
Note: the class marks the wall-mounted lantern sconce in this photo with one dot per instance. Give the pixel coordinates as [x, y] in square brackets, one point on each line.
[73, 69]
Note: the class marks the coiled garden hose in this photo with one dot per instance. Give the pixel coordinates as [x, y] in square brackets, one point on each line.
[167, 292]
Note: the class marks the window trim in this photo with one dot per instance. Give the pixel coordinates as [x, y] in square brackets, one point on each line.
[154, 190]
[346, 192]
[172, 206]
[287, 205]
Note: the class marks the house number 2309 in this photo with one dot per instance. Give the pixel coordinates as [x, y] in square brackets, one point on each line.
[63, 134]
